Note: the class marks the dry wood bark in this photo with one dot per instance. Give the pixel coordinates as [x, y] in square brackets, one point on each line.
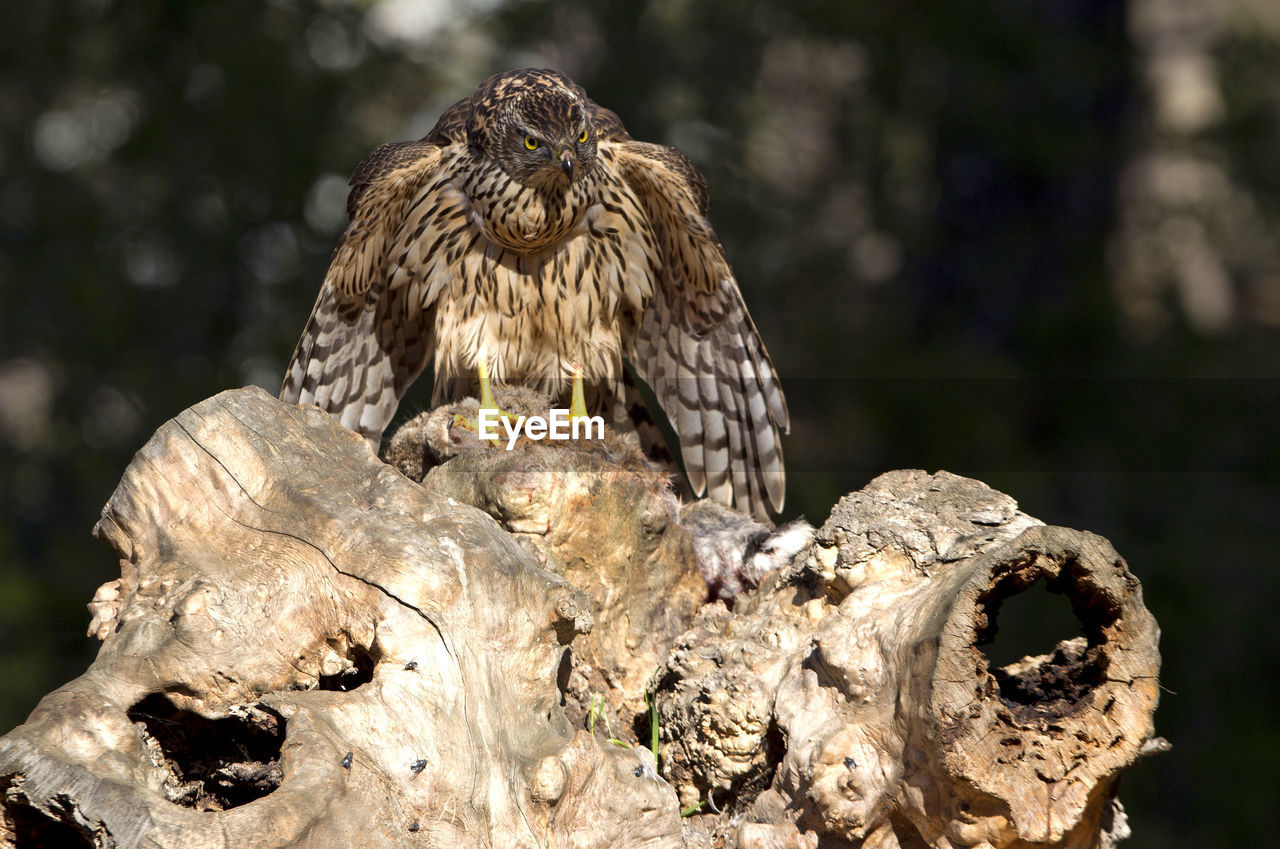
[306, 648]
[849, 699]
[594, 512]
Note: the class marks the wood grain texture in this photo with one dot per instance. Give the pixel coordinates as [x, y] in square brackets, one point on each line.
[266, 556]
[307, 648]
[849, 698]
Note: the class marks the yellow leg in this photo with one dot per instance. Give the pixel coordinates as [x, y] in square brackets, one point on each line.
[486, 393]
[486, 399]
[577, 404]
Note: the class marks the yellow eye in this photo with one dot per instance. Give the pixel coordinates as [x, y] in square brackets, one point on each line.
[530, 142]
[582, 139]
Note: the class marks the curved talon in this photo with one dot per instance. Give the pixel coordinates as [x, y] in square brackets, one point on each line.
[473, 425]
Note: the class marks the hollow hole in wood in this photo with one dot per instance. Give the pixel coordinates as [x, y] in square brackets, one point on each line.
[213, 764]
[25, 827]
[563, 671]
[360, 671]
[775, 747]
[908, 836]
[642, 727]
[1029, 653]
[1030, 623]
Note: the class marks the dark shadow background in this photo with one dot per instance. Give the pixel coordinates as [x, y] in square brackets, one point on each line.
[1028, 241]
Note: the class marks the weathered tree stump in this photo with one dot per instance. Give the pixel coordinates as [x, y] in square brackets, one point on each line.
[307, 648]
[597, 514]
[848, 698]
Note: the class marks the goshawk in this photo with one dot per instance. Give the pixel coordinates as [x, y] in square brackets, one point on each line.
[530, 234]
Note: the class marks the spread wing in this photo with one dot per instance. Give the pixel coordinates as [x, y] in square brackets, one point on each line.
[363, 345]
[696, 345]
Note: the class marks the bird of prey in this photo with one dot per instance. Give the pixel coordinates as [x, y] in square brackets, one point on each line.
[529, 238]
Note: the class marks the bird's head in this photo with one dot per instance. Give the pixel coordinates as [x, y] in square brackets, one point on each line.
[539, 129]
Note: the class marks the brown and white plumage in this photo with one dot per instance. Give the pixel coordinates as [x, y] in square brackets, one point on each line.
[530, 229]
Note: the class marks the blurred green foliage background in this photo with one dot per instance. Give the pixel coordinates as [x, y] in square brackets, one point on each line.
[1035, 242]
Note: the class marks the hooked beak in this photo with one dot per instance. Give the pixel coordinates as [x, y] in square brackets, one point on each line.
[567, 163]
